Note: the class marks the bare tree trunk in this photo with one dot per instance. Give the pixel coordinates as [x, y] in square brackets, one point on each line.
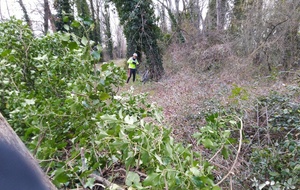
[177, 6]
[25, 13]
[95, 30]
[7, 9]
[11, 140]
[46, 16]
[107, 31]
[98, 20]
[1, 17]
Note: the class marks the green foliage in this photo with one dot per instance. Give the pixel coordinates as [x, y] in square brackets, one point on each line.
[238, 94]
[217, 133]
[279, 165]
[276, 166]
[73, 121]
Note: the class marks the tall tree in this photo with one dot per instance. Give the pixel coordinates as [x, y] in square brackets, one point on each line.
[27, 19]
[238, 14]
[175, 20]
[96, 30]
[141, 32]
[82, 8]
[108, 40]
[48, 17]
[97, 23]
[84, 14]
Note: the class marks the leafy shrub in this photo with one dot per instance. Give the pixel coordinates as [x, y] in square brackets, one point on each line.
[217, 133]
[276, 164]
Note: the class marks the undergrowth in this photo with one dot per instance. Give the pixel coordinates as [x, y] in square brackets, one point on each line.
[194, 87]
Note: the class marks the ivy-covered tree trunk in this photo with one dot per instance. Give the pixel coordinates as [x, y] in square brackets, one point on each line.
[141, 32]
[64, 14]
[96, 30]
[35, 179]
[238, 15]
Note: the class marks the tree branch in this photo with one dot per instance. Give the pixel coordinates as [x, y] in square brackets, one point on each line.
[106, 183]
[237, 154]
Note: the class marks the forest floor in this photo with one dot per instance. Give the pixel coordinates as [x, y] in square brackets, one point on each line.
[192, 88]
[186, 93]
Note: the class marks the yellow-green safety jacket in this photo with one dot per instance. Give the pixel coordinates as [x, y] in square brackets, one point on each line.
[132, 63]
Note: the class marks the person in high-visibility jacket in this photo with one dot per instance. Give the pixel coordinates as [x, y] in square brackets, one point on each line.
[132, 63]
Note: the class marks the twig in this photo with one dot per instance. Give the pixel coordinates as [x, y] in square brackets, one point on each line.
[106, 183]
[212, 158]
[230, 183]
[257, 123]
[166, 183]
[237, 154]
[268, 127]
[81, 181]
[83, 159]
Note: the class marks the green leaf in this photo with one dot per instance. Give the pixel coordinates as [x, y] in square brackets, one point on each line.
[28, 102]
[75, 24]
[151, 180]
[195, 171]
[207, 143]
[130, 120]
[104, 96]
[132, 178]
[159, 159]
[197, 181]
[169, 150]
[67, 27]
[66, 19]
[65, 37]
[73, 45]
[96, 55]
[41, 58]
[261, 186]
[5, 52]
[60, 176]
[225, 152]
[145, 157]
[216, 188]
[84, 40]
[207, 180]
[109, 118]
[90, 183]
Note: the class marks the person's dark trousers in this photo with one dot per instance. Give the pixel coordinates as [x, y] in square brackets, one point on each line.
[133, 73]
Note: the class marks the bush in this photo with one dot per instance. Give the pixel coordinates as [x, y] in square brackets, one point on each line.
[275, 163]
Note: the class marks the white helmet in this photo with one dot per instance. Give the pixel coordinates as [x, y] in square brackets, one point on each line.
[135, 55]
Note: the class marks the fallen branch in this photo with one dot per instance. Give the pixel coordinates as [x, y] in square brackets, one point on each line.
[237, 154]
[106, 183]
